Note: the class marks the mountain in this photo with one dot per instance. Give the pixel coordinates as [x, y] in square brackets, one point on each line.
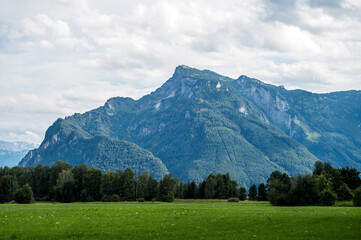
[329, 125]
[11, 153]
[198, 122]
[99, 151]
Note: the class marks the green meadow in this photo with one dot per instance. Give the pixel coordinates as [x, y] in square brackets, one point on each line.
[198, 219]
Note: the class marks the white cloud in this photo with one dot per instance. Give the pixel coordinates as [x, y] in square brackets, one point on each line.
[46, 44]
[62, 57]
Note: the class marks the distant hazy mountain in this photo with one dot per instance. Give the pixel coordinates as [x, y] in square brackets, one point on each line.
[12, 152]
[200, 122]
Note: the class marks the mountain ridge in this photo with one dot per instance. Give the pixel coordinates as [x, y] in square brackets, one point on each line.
[199, 122]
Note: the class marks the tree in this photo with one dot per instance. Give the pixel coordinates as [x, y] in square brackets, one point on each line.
[242, 193]
[185, 191]
[8, 186]
[330, 173]
[142, 190]
[167, 188]
[220, 193]
[79, 172]
[344, 193]
[279, 186]
[229, 187]
[201, 189]
[253, 192]
[210, 187]
[24, 194]
[323, 182]
[304, 191]
[128, 185]
[57, 168]
[25, 175]
[328, 198]
[262, 192]
[192, 189]
[351, 177]
[357, 197]
[323, 167]
[91, 183]
[41, 182]
[118, 183]
[178, 192]
[233, 189]
[153, 188]
[106, 183]
[65, 186]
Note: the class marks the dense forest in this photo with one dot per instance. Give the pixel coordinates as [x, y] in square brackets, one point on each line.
[63, 183]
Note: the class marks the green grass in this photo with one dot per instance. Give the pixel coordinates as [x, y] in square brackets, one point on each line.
[179, 220]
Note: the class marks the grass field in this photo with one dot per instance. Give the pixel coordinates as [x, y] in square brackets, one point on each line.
[179, 220]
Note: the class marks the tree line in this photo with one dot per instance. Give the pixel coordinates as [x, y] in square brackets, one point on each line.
[63, 183]
[323, 187]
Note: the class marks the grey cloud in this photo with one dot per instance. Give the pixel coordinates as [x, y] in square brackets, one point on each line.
[62, 57]
[326, 3]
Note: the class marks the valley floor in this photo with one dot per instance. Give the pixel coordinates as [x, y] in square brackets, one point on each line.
[195, 219]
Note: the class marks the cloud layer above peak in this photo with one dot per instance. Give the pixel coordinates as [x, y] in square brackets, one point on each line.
[60, 57]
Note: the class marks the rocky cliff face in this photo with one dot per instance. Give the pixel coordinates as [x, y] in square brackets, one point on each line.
[269, 100]
[327, 124]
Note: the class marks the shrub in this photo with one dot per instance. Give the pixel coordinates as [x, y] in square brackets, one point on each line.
[233, 199]
[24, 194]
[357, 197]
[140, 200]
[106, 198]
[153, 200]
[89, 199]
[328, 198]
[167, 198]
[115, 198]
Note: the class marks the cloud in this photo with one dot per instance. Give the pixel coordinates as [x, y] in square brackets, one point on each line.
[62, 57]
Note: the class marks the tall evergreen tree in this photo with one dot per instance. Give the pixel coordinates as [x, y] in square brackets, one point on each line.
[128, 185]
[118, 183]
[252, 193]
[142, 189]
[91, 183]
[262, 192]
[79, 172]
[201, 190]
[106, 184]
[242, 193]
[153, 188]
[41, 182]
[210, 190]
[220, 187]
[167, 187]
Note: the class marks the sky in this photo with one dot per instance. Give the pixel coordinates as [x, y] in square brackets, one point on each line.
[63, 57]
